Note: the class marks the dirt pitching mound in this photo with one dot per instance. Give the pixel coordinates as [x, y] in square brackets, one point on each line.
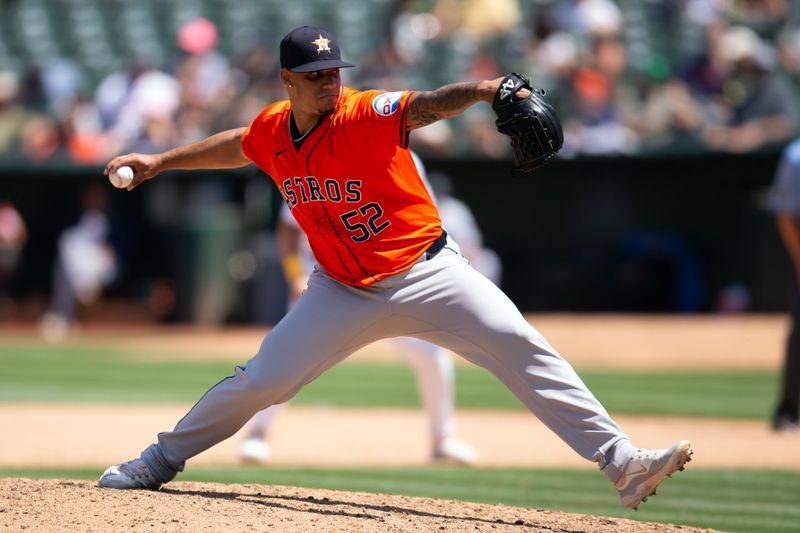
[64, 505]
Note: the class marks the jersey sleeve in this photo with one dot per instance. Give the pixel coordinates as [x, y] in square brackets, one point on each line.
[383, 116]
[250, 139]
[258, 137]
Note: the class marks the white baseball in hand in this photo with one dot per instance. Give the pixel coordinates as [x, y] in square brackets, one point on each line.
[121, 178]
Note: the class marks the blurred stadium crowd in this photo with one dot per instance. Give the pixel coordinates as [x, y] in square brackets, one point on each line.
[83, 80]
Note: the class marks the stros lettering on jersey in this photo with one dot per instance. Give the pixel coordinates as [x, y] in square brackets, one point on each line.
[338, 184]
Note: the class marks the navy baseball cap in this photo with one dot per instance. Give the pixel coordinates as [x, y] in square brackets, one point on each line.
[308, 49]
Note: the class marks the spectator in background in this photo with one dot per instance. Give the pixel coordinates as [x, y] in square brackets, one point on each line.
[478, 20]
[661, 110]
[477, 124]
[784, 202]
[13, 114]
[766, 17]
[594, 122]
[88, 260]
[597, 126]
[50, 93]
[62, 81]
[83, 131]
[204, 77]
[754, 109]
[138, 108]
[703, 12]
[40, 138]
[789, 57]
[590, 17]
[706, 71]
[13, 236]
[254, 85]
[554, 56]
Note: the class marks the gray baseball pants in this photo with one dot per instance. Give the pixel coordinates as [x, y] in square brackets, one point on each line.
[442, 300]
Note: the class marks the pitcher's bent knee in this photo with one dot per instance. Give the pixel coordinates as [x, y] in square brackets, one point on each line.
[271, 388]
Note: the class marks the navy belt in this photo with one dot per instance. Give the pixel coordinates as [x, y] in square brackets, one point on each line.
[437, 246]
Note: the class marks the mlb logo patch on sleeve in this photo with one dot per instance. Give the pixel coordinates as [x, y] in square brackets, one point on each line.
[386, 104]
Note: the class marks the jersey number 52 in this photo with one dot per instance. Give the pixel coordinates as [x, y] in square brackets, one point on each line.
[365, 222]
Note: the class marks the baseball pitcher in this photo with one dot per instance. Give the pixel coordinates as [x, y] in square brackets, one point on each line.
[340, 158]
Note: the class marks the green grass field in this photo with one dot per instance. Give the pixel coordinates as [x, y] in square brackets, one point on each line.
[53, 373]
[741, 501]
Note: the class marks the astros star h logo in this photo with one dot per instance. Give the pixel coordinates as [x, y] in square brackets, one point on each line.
[322, 44]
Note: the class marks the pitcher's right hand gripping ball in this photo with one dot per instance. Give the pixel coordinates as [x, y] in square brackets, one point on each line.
[532, 123]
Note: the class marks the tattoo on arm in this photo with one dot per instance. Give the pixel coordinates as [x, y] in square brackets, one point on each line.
[448, 101]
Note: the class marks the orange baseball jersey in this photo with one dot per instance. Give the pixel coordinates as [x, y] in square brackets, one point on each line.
[352, 186]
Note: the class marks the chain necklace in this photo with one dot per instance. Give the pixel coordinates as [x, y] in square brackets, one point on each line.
[308, 131]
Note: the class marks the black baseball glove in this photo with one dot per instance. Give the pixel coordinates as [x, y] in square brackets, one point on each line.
[532, 123]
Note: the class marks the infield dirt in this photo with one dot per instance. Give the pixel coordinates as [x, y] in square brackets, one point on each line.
[76, 436]
[62, 505]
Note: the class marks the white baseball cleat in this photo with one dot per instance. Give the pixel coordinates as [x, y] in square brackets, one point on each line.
[455, 451]
[131, 475]
[254, 450]
[647, 469]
